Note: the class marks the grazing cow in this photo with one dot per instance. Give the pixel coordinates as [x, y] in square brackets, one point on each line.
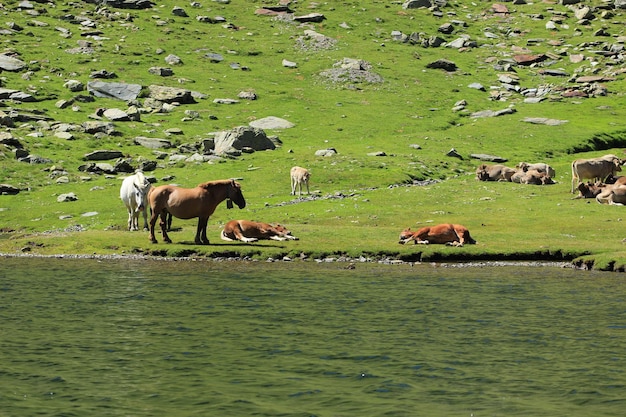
[596, 169]
[134, 193]
[541, 167]
[448, 234]
[249, 231]
[299, 177]
[494, 173]
[613, 195]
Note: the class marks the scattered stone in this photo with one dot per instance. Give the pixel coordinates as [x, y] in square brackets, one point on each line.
[544, 121]
[74, 85]
[102, 155]
[7, 189]
[271, 122]
[10, 63]
[443, 64]
[489, 158]
[63, 198]
[160, 71]
[326, 152]
[453, 153]
[120, 91]
[153, 143]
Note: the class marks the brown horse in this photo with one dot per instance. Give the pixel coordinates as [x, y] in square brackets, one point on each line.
[188, 203]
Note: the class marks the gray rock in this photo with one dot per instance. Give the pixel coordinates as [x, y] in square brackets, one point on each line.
[326, 152]
[311, 17]
[67, 197]
[544, 121]
[102, 155]
[74, 85]
[120, 91]
[443, 64]
[271, 122]
[116, 115]
[179, 11]
[93, 126]
[487, 157]
[8, 189]
[477, 86]
[417, 4]
[242, 137]
[9, 63]
[163, 72]
[173, 60]
[170, 94]
[153, 143]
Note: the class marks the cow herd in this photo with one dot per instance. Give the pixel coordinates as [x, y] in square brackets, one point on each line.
[167, 200]
[523, 173]
[605, 186]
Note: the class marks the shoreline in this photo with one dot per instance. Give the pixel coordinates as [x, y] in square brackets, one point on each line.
[342, 260]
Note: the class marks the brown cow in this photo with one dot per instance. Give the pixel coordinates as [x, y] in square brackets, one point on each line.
[591, 190]
[596, 169]
[448, 234]
[250, 231]
[494, 173]
[531, 177]
[614, 194]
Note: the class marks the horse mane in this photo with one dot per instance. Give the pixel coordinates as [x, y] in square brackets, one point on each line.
[218, 182]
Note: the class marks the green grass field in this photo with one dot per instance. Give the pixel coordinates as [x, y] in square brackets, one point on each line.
[362, 201]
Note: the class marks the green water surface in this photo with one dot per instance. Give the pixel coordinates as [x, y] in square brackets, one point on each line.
[156, 338]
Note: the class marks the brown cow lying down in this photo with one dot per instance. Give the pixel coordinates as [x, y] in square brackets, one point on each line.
[448, 234]
[250, 231]
[494, 173]
[591, 190]
[531, 176]
[613, 194]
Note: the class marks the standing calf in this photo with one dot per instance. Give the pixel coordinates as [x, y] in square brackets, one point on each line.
[299, 176]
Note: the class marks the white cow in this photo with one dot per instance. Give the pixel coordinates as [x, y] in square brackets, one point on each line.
[299, 176]
[134, 194]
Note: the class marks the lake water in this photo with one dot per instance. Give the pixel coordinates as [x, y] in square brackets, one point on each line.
[153, 338]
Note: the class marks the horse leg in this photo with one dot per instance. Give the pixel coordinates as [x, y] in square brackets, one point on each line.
[145, 219]
[130, 220]
[136, 220]
[163, 224]
[153, 218]
[201, 238]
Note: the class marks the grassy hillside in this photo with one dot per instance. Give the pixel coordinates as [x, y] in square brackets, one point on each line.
[361, 201]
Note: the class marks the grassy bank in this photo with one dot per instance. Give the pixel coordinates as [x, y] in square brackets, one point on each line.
[361, 202]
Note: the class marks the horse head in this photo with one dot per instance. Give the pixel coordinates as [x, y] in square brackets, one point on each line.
[235, 195]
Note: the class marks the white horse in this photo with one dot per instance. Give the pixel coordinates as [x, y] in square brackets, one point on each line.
[134, 194]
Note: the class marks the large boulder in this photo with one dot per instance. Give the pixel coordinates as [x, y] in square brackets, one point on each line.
[242, 137]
